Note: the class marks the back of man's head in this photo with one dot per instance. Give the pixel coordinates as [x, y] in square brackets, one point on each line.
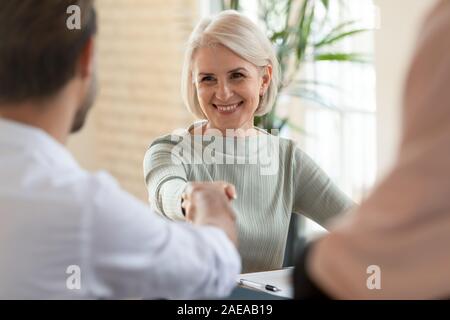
[38, 48]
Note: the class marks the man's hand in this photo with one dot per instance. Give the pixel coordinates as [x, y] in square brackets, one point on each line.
[208, 203]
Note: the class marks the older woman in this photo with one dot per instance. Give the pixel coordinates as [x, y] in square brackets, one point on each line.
[230, 76]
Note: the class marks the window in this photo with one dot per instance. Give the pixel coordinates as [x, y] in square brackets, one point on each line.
[342, 138]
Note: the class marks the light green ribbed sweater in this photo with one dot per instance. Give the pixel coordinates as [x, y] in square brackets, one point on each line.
[273, 178]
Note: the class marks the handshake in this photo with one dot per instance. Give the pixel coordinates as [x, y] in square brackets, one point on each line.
[209, 203]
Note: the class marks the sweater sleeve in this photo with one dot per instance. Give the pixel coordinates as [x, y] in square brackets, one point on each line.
[166, 179]
[315, 194]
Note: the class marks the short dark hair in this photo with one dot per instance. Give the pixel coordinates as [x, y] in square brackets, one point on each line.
[38, 52]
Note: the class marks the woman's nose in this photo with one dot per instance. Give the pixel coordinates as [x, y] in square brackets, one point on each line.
[223, 91]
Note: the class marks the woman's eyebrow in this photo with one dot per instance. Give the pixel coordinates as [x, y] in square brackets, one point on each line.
[238, 69]
[205, 74]
[231, 71]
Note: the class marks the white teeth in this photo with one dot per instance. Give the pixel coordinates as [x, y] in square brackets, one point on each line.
[227, 107]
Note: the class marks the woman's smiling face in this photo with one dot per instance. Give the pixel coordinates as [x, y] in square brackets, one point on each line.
[228, 87]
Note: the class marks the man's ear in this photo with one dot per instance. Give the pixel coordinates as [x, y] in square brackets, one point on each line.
[86, 60]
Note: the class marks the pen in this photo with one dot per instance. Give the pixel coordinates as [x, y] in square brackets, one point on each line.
[257, 285]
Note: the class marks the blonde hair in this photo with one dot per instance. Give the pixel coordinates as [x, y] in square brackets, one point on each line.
[239, 34]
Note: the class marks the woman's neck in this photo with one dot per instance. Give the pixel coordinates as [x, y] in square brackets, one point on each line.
[208, 129]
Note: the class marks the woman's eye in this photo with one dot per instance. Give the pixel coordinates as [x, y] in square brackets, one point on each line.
[207, 79]
[237, 75]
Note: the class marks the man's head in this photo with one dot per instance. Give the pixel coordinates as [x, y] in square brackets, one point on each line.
[40, 54]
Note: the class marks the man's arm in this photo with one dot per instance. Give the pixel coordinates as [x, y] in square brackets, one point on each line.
[137, 254]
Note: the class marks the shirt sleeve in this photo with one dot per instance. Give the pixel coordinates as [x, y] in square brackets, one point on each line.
[137, 254]
[315, 195]
[165, 177]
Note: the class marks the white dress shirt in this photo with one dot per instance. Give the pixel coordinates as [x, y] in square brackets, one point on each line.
[66, 233]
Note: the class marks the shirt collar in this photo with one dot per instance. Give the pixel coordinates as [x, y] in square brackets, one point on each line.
[34, 140]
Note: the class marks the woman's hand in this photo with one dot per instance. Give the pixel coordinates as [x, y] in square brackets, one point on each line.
[208, 203]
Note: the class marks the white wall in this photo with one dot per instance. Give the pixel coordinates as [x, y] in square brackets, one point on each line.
[394, 43]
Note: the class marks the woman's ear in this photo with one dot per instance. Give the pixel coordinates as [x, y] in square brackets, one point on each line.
[266, 78]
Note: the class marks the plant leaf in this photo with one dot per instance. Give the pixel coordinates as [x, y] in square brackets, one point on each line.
[304, 32]
[326, 3]
[343, 57]
[338, 29]
[335, 38]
